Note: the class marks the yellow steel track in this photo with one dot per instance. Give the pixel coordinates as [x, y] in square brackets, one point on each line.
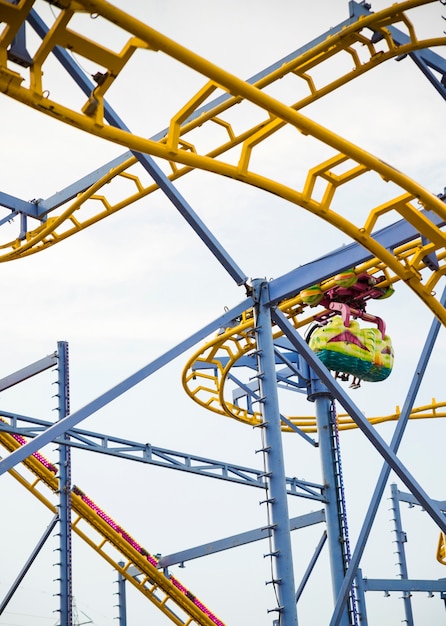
[206, 373]
[113, 544]
[182, 152]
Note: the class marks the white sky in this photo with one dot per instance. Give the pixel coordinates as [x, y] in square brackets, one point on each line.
[128, 289]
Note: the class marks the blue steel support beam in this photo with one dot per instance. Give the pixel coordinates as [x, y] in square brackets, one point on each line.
[425, 60]
[361, 421]
[281, 555]
[408, 497]
[72, 420]
[46, 205]
[17, 51]
[64, 506]
[30, 370]
[190, 216]
[385, 471]
[161, 457]
[258, 534]
[311, 564]
[164, 183]
[122, 598]
[400, 539]
[255, 398]
[407, 586]
[360, 598]
[323, 401]
[84, 183]
[348, 256]
[18, 206]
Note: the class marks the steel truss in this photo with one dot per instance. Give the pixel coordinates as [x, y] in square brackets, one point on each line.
[262, 333]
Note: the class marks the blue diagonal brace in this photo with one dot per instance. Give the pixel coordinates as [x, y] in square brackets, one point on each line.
[48, 204]
[70, 421]
[164, 183]
[34, 554]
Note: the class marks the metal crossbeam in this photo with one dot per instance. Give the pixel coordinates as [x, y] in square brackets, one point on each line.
[27, 372]
[409, 585]
[351, 255]
[72, 420]
[161, 457]
[302, 521]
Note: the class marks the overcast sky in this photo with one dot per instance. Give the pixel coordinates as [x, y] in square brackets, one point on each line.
[131, 287]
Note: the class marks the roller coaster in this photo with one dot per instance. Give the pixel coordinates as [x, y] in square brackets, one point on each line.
[301, 335]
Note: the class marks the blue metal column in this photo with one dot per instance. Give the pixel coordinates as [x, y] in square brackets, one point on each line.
[122, 599]
[402, 563]
[281, 552]
[335, 535]
[66, 593]
[360, 598]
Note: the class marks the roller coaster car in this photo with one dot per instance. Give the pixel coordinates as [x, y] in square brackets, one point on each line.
[341, 344]
[351, 288]
[346, 348]
[355, 289]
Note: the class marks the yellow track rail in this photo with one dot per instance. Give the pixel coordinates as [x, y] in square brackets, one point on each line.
[181, 150]
[113, 544]
[206, 373]
[428, 411]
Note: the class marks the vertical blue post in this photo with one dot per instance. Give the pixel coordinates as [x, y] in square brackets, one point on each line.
[400, 539]
[360, 597]
[281, 553]
[122, 600]
[335, 536]
[63, 395]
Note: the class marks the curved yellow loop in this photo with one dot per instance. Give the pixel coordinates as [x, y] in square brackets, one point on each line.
[206, 373]
[348, 163]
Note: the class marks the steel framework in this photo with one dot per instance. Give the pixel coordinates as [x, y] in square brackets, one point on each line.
[245, 359]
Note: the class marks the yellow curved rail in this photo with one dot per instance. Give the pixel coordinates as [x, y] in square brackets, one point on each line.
[206, 373]
[181, 150]
[114, 545]
[345, 422]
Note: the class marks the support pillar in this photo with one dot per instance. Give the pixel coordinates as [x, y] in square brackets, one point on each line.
[400, 540]
[281, 553]
[360, 598]
[66, 592]
[122, 598]
[331, 475]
